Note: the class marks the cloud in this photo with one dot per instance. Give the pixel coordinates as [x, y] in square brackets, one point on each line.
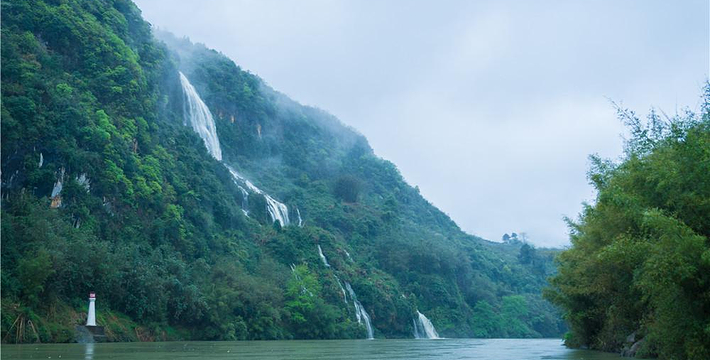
[491, 107]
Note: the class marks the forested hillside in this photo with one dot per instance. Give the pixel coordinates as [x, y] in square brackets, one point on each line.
[106, 187]
[638, 275]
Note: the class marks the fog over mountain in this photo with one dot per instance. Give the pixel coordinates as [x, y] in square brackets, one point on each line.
[474, 101]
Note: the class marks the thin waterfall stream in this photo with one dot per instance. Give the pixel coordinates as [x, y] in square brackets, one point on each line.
[360, 314]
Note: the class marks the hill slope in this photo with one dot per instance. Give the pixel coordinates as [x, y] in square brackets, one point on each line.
[107, 188]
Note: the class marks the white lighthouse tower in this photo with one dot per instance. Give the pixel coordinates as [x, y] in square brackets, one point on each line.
[91, 319]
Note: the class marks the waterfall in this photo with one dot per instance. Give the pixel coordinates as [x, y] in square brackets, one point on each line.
[200, 118]
[202, 122]
[298, 278]
[277, 211]
[41, 160]
[348, 254]
[345, 296]
[423, 328]
[325, 262]
[245, 199]
[360, 312]
[300, 221]
[322, 257]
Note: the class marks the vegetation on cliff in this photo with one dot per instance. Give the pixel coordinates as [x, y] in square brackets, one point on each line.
[105, 189]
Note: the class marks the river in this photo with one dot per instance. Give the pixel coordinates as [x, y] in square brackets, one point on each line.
[488, 349]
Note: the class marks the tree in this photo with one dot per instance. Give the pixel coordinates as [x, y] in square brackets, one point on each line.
[640, 256]
[527, 254]
[347, 188]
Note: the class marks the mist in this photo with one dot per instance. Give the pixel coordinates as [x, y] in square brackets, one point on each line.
[490, 108]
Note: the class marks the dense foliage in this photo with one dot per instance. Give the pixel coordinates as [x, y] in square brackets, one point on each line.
[105, 190]
[640, 261]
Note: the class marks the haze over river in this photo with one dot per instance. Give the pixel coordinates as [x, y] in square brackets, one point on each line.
[488, 349]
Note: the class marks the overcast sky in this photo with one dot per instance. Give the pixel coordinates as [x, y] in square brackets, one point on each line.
[490, 107]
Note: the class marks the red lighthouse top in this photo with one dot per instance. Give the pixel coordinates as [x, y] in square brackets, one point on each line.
[92, 295]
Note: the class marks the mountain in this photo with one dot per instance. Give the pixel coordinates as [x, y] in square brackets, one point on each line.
[199, 203]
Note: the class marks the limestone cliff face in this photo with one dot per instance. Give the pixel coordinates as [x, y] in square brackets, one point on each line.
[57, 190]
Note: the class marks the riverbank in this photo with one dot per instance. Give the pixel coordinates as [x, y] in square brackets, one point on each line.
[22, 325]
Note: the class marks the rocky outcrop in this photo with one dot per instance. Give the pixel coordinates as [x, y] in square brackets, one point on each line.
[57, 191]
[632, 345]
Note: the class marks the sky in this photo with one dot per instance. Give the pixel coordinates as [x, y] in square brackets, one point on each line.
[490, 107]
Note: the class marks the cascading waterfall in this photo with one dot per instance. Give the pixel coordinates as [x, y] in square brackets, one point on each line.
[303, 288]
[202, 122]
[340, 284]
[322, 257]
[423, 328]
[277, 211]
[245, 199]
[325, 262]
[360, 313]
[200, 118]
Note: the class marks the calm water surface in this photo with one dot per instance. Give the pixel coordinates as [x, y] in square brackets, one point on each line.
[489, 349]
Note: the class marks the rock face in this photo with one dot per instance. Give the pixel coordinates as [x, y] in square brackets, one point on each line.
[633, 344]
[57, 191]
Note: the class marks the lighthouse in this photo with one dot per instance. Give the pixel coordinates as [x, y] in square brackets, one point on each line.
[91, 318]
[91, 332]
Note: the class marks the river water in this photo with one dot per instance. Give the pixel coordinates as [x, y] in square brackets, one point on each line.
[489, 349]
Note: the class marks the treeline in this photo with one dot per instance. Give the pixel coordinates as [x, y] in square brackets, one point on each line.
[637, 278]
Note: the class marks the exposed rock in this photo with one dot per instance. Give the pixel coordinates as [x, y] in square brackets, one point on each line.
[631, 338]
[107, 205]
[56, 202]
[12, 178]
[84, 181]
[633, 344]
[57, 191]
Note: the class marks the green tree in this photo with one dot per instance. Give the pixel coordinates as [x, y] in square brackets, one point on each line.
[639, 260]
[33, 273]
[347, 188]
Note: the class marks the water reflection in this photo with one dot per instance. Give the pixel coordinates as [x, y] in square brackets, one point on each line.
[89, 351]
[379, 349]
